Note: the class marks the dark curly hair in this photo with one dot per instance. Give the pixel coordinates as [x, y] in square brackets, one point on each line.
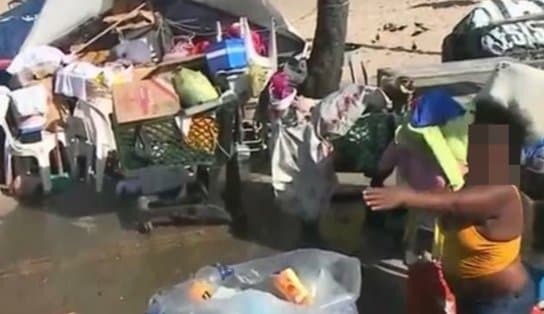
[520, 126]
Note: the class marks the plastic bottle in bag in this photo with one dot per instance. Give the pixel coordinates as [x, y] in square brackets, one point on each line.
[210, 279]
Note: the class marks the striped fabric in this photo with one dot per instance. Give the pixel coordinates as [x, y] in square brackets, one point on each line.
[491, 11]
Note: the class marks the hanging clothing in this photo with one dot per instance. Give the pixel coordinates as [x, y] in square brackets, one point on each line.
[74, 79]
[302, 162]
[340, 110]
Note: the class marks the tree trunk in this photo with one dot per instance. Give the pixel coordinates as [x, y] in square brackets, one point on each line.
[327, 57]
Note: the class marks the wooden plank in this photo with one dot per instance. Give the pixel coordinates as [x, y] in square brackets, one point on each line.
[108, 29]
[477, 70]
[172, 64]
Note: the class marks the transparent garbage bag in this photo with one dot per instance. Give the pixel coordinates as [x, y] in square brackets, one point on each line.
[332, 280]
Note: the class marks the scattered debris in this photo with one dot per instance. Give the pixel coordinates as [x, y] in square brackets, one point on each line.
[376, 39]
[420, 29]
[391, 27]
[421, 26]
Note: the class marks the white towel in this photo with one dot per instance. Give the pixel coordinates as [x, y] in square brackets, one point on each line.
[74, 79]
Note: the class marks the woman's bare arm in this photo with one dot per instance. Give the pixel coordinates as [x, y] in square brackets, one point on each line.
[388, 162]
[479, 202]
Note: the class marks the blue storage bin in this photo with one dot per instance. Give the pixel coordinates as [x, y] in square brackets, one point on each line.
[227, 54]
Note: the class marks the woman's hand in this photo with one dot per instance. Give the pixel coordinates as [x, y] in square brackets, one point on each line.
[386, 198]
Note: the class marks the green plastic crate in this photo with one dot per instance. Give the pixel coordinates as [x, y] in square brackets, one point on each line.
[156, 142]
[361, 148]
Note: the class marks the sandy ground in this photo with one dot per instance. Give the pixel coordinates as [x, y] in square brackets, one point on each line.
[367, 18]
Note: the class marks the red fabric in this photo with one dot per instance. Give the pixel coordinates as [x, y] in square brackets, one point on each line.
[427, 290]
[200, 47]
[4, 63]
[260, 48]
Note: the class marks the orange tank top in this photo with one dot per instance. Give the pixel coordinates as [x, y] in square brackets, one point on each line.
[468, 254]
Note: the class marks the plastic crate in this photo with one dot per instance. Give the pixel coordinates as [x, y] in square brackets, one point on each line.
[156, 142]
[361, 148]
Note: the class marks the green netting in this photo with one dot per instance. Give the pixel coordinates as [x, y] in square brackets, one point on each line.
[361, 148]
[156, 142]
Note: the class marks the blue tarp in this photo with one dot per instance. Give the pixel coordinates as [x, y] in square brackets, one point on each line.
[434, 108]
[16, 24]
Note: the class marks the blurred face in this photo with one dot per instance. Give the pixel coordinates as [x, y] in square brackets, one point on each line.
[488, 155]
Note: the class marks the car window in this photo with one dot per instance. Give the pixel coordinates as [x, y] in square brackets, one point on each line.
[465, 24]
[477, 18]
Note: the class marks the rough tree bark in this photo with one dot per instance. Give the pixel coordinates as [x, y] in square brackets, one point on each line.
[327, 57]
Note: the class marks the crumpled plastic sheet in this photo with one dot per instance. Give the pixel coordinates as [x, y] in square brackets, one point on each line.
[334, 281]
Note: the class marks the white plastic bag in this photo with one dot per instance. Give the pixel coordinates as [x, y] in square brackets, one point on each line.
[334, 282]
[302, 169]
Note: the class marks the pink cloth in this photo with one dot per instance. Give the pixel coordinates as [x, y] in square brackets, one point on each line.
[420, 170]
[279, 86]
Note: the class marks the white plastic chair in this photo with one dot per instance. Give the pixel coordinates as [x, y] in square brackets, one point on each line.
[99, 134]
[39, 150]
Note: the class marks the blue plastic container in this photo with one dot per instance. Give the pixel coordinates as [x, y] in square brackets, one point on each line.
[226, 55]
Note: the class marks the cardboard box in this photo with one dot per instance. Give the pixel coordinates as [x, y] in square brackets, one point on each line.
[56, 112]
[144, 100]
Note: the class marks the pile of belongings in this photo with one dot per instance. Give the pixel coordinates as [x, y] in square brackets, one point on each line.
[136, 90]
[349, 127]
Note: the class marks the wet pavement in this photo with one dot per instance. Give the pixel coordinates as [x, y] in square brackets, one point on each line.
[79, 254]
